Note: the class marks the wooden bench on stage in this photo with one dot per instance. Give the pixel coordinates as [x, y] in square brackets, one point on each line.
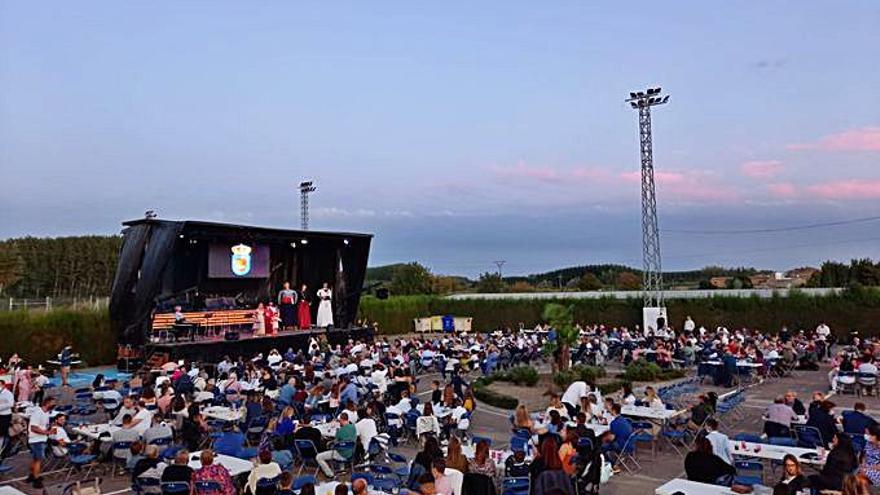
[206, 320]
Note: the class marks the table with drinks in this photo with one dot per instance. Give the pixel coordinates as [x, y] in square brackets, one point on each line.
[815, 457]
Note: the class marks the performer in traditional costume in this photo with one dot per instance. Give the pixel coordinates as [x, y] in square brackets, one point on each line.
[271, 319]
[260, 320]
[304, 311]
[325, 307]
[287, 298]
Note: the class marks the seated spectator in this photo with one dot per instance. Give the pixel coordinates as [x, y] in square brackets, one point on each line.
[137, 453]
[568, 450]
[442, 484]
[482, 463]
[870, 466]
[306, 431]
[778, 418]
[703, 466]
[149, 461]
[699, 413]
[214, 472]
[621, 427]
[522, 420]
[285, 484]
[794, 403]
[840, 462]
[516, 465]
[125, 434]
[856, 421]
[856, 484]
[266, 469]
[720, 442]
[822, 418]
[652, 400]
[546, 460]
[793, 481]
[454, 457]
[180, 470]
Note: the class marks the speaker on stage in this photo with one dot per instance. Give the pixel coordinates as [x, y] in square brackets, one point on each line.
[231, 335]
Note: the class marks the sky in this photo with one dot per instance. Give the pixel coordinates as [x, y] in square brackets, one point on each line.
[459, 133]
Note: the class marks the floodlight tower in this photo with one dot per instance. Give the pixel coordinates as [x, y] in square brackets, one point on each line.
[304, 189]
[652, 275]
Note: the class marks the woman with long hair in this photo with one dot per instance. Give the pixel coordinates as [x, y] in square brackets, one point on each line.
[841, 461]
[702, 465]
[547, 458]
[430, 450]
[793, 480]
[522, 420]
[568, 450]
[455, 459]
[482, 463]
[856, 484]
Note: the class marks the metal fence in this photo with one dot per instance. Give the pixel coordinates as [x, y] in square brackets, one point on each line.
[47, 303]
[667, 294]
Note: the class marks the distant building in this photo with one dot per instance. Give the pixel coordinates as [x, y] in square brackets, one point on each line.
[719, 282]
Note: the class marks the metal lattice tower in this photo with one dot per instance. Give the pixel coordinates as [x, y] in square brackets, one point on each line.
[304, 189]
[652, 275]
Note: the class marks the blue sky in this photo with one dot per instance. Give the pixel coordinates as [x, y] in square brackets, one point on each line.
[458, 132]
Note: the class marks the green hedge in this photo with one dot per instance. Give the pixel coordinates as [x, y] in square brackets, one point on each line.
[578, 372]
[643, 371]
[519, 375]
[483, 393]
[40, 335]
[857, 309]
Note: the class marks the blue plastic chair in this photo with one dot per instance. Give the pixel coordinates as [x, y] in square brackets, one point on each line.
[207, 487]
[302, 481]
[175, 488]
[308, 454]
[754, 470]
[515, 486]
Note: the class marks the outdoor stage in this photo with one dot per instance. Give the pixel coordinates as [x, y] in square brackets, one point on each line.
[212, 350]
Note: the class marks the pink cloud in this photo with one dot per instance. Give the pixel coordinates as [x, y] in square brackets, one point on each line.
[688, 185]
[863, 139]
[760, 169]
[660, 176]
[848, 189]
[785, 190]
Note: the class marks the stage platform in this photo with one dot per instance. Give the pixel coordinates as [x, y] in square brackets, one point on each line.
[212, 350]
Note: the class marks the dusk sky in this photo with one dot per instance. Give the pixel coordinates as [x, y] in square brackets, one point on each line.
[457, 132]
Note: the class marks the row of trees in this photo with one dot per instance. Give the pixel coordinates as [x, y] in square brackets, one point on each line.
[859, 272]
[59, 267]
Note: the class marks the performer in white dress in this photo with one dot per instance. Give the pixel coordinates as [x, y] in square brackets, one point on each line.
[325, 308]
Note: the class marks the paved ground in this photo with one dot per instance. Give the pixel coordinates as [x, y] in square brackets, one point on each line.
[492, 422]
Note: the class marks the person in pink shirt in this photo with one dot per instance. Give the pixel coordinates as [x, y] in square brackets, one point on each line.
[442, 484]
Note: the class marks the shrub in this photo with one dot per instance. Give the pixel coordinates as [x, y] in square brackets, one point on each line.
[578, 372]
[612, 386]
[643, 371]
[491, 397]
[40, 335]
[523, 375]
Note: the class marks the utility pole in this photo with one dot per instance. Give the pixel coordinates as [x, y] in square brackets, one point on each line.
[304, 189]
[499, 264]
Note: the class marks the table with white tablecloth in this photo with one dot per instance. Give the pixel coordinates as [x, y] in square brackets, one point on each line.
[688, 487]
[777, 452]
[234, 465]
[103, 431]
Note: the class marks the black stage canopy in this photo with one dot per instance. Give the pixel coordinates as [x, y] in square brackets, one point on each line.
[207, 265]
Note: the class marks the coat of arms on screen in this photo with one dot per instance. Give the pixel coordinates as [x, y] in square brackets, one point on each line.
[241, 260]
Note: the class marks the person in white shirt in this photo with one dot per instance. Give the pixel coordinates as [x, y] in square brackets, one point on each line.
[379, 377]
[142, 420]
[128, 407]
[7, 401]
[689, 324]
[571, 399]
[366, 431]
[60, 439]
[720, 442]
[38, 435]
[652, 399]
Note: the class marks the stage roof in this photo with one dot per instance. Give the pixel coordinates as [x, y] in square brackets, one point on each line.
[267, 231]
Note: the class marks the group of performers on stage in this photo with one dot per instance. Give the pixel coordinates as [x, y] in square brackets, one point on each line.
[294, 310]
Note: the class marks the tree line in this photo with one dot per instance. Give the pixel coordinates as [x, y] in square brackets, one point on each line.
[60, 267]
